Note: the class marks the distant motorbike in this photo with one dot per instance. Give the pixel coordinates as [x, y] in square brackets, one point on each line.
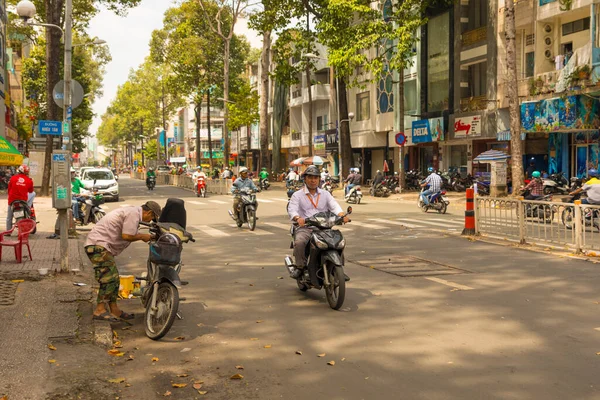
[90, 210]
[380, 190]
[354, 195]
[483, 188]
[21, 210]
[201, 187]
[292, 187]
[590, 217]
[264, 184]
[437, 201]
[542, 212]
[556, 183]
[246, 212]
[151, 182]
[327, 185]
[325, 261]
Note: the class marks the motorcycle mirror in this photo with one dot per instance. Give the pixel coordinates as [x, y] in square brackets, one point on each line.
[349, 210]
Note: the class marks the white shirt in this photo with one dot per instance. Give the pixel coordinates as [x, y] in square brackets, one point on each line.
[292, 176]
[302, 206]
[197, 175]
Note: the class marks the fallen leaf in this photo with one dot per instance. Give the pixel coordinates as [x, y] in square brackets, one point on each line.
[260, 321]
[179, 385]
[598, 353]
[343, 358]
[51, 347]
[136, 348]
[185, 350]
[298, 352]
[331, 363]
[130, 358]
[113, 351]
[180, 338]
[116, 353]
[280, 277]
[117, 344]
[202, 392]
[154, 359]
[115, 334]
[252, 284]
[51, 361]
[17, 280]
[253, 338]
[198, 382]
[267, 346]
[167, 393]
[200, 324]
[237, 376]
[321, 355]
[197, 386]
[125, 328]
[239, 367]
[116, 380]
[182, 375]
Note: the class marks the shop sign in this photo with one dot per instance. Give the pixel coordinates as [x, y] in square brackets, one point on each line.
[319, 144]
[428, 130]
[215, 154]
[467, 126]
[331, 140]
[11, 133]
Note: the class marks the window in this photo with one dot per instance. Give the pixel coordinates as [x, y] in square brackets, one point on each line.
[363, 106]
[477, 80]
[322, 123]
[411, 97]
[529, 64]
[576, 26]
[477, 14]
[438, 63]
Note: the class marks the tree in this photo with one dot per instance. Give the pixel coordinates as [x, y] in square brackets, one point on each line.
[510, 35]
[243, 110]
[151, 149]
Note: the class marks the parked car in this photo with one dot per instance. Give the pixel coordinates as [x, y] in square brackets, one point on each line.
[163, 169]
[105, 182]
[81, 170]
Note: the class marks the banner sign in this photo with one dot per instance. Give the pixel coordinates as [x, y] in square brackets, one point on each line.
[319, 144]
[428, 130]
[331, 140]
[467, 126]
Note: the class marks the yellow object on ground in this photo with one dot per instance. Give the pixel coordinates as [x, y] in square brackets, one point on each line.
[126, 286]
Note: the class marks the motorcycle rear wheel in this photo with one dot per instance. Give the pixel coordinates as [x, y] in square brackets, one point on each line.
[336, 292]
[203, 192]
[167, 303]
[251, 218]
[443, 208]
[567, 217]
[98, 215]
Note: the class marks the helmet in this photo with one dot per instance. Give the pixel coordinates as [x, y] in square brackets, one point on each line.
[532, 161]
[72, 170]
[593, 172]
[378, 171]
[351, 170]
[430, 169]
[536, 174]
[395, 173]
[311, 171]
[243, 170]
[263, 169]
[325, 170]
[151, 169]
[23, 169]
[356, 170]
[199, 168]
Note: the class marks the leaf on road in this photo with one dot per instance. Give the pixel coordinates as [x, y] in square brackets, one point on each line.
[280, 277]
[260, 321]
[253, 338]
[154, 359]
[182, 375]
[200, 324]
[252, 284]
[17, 280]
[185, 350]
[51, 361]
[167, 393]
[202, 392]
[343, 358]
[51, 348]
[180, 338]
[239, 367]
[237, 376]
[116, 380]
[116, 353]
[130, 358]
[298, 352]
[197, 386]
[598, 353]
[267, 346]
[179, 385]
[321, 355]
[115, 334]
[117, 344]
[331, 363]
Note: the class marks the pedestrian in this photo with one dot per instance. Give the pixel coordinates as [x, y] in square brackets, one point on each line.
[109, 237]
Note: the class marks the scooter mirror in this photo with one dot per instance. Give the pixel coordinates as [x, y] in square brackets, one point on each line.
[349, 210]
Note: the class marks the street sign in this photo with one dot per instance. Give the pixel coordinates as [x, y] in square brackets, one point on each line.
[400, 139]
[49, 128]
[58, 94]
[66, 139]
[135, 163]
[69, 113]
[65, 127]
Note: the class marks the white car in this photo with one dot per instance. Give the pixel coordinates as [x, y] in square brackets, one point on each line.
[104, 180]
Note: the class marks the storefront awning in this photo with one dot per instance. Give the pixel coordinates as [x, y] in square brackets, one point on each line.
[9, 155]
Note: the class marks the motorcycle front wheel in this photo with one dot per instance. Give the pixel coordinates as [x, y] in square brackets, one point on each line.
[251, 218]
[567, 217]
[336, 291]
[422, 205]
[167, 304]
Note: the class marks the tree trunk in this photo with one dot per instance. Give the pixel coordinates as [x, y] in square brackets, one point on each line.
[210, 151]
[347, 162]
[401, 174]
[310, 102]
[53, 57]
[265, 160]
[516, 145]
[226, 97]
[198, 110]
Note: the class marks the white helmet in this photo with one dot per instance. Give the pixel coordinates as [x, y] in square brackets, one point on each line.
[356, 170]
[243, 169]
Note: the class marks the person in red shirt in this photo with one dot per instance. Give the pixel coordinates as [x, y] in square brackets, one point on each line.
[20, 187]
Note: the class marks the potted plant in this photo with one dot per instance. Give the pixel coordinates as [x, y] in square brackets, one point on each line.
[584, 72]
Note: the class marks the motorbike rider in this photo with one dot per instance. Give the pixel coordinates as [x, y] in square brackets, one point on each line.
[535, 187]
[529, 171]
[324, 175]
[291, 177]
[76, 186]
[435, 185]
[197, 174]
[591, 188]
[243, 182]
[263, 175]
[377, 181]
[150, 174]
[305, 203]
[227, 174]
[20, 187]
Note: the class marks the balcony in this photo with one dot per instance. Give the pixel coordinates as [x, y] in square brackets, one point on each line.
[477, 103]
[475, 36]
[319, 92]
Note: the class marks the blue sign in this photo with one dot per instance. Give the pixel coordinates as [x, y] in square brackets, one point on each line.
[58, 158]
[50, 128]
[400, 139]
[428, 130]
[135, 163]
[69, 113]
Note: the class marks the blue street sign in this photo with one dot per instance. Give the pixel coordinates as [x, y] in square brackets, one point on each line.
[135, 163]
[50, 128]
[69, 113]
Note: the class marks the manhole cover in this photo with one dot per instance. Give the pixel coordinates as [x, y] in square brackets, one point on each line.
[7, 293]
[409, 266]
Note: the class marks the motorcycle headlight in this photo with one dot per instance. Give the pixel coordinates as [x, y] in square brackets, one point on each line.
[341, 244]
[320, 244]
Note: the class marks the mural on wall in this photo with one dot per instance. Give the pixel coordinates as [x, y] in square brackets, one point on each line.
[559, 114]
[556, 141]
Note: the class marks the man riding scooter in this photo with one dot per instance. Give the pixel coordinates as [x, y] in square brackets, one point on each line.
[76, 186]
[20, 187]
[591, 188]
[150, 174]
[263, 175]
[199, 178]
[434, 181]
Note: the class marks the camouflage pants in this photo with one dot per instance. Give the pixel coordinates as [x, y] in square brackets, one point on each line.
[105, 272]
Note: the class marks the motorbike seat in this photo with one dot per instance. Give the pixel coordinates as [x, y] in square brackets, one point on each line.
[174, 211]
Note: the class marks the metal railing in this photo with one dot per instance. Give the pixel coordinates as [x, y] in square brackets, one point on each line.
[574, 226]
[215, 186]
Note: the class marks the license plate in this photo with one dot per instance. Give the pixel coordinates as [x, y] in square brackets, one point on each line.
[19, 214]
[444, 198]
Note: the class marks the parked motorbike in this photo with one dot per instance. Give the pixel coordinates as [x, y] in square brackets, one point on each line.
[201, 187]
[437, 201]
[413, 180]
[354, 195]
[556, 183]
[446, 180]
[483, 188]
[325, 262]
[591, 217]
[21, 210]
[380, 190]
[542, 212]
[160, 295]
[89, 208]
[392, 183]
[151, 182]
[335, 182]
[292, 187]
[327, 185]
[246, 212]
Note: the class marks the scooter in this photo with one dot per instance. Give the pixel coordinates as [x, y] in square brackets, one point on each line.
[327, 185]
[437, 201]
[590, 218]
[201, 187]
[556, 183]
[354, 195]
[544, 213]
[90, 210]
[21, 210]
[380, 190]
[264, 184]
[246, 212]
[325, 262]
[151, 182]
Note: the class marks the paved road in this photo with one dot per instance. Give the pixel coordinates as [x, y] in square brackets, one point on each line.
[428, 314]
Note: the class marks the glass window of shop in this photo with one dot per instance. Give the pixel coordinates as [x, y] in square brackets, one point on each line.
[458, 159]
[411, 97]
[477, 15]
[363, 106]
[585, 152]
[438, 62]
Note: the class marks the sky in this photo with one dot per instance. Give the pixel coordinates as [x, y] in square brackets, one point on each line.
[128, 38]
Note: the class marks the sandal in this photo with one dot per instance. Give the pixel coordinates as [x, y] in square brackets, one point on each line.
[106, 316]
[126, 316]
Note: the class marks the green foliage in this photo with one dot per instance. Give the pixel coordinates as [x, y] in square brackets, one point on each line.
[243, 111]
[150, 150]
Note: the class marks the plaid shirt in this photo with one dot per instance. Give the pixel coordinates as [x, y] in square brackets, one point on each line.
[435, 182]
[536, 187]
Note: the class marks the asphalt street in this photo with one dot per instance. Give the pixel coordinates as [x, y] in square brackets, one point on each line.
[428, 314]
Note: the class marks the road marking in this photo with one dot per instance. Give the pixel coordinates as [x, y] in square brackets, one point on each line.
[256, 231]
[385, 221]
[265, 201]
[365, 225]
[448, 283]
[449, 221]
[199, 203]
[279, 225]
[211, 231]
[218, 201]
[418, 221]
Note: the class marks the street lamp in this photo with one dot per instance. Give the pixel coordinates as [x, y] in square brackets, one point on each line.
[142, 140]
[26, 10]
[95, 42]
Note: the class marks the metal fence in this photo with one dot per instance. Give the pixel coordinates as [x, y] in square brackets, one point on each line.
[574, 226]
[215, 186]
